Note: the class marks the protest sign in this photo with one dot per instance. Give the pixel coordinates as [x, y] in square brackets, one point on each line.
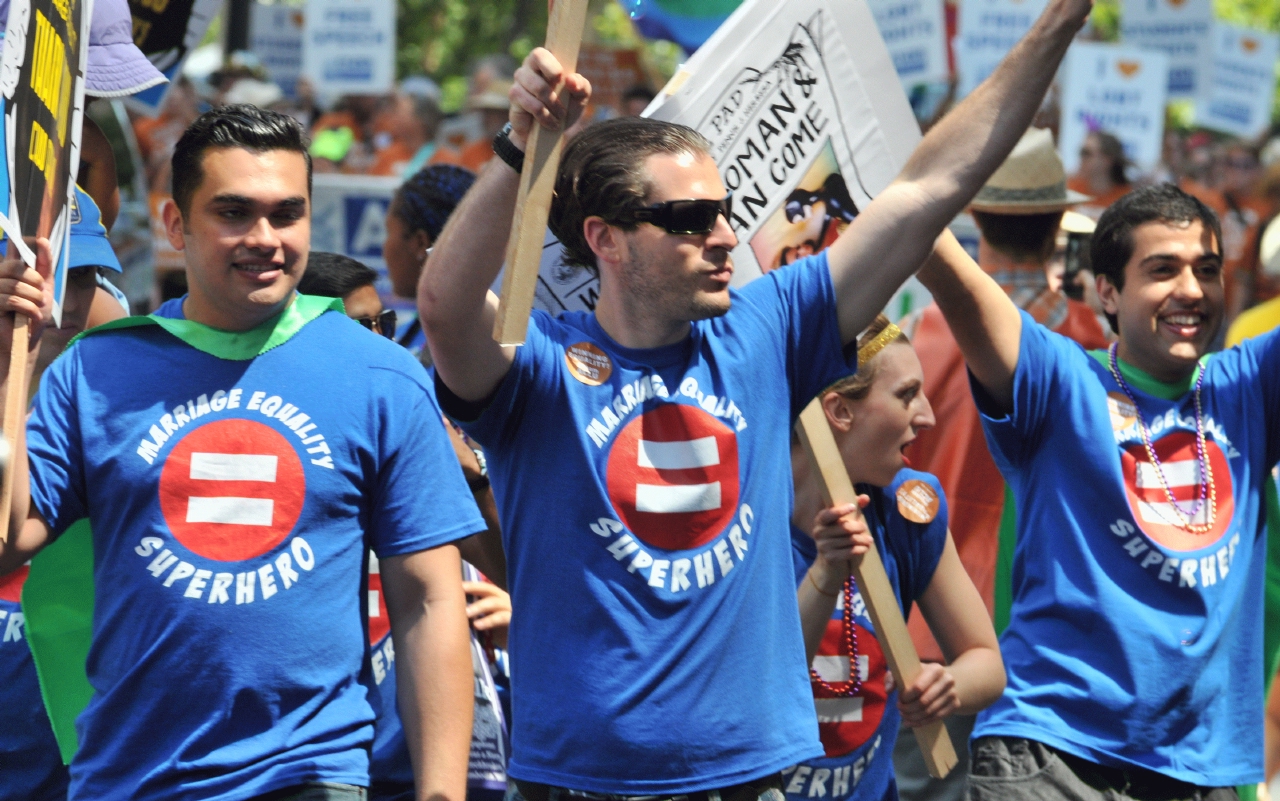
[42, 80]
[1177, 28]
[349, 46]
[166, 31]
[275, 37]
[348, 216]
[1117, 89]
[915, 33]
[988, 30]
[1239, 87]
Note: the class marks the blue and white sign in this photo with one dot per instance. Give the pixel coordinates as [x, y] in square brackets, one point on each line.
[349, 216]
[275, 37]
[914, 31]
[1117, 89]
[1240, 85]
[988, 29]
[1177, 28]
[349, 46]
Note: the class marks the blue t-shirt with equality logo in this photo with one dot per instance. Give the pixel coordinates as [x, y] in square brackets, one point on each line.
[1132, 641]
[231, 504]
[645, 498]
[31, 766]
[858, 733]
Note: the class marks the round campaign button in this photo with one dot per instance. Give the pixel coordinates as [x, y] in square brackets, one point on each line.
[1179, 470]
[917, 501]
[232, 489]
[588, 363]
[673, 476]
[1123, 412]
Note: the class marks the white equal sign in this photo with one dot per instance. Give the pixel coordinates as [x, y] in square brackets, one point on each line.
[678, 455]
[834, 669]
[229, 509]
[375, 570]
[1184, 482]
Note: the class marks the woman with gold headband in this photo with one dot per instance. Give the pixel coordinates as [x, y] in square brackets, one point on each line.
[875, 414]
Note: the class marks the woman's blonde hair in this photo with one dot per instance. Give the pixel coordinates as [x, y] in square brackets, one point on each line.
[878, 335]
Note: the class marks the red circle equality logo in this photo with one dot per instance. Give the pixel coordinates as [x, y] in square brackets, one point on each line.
[1150, 503]
[232, 490]
[673, 476]
[845, 724]
[11, 585]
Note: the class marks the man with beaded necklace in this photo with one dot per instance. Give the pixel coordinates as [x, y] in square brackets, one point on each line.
[1132, 648]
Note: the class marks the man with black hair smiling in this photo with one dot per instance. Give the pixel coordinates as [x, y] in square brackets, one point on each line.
[234, 477]
[1136, 624]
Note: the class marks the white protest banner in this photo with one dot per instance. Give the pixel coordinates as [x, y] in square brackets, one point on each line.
[1238, 91]
[349, 46]
[1177, 28]
[348, 216]
[988, 29]
[915, 32]
[275, 37]
[1117, 89]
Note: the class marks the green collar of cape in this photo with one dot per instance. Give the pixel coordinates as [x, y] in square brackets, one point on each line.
[57, 598]
[236, 346]
[1142, 380]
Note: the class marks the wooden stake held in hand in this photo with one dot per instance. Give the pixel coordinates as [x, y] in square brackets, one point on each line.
[537, 180]
[873, 583]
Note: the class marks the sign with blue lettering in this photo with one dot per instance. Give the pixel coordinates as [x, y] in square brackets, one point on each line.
[1117, 89]
[1177, 28]
[275, 37]
[988, 29]
[348, 216]
[349, 46]
[914, 31]
[1240, 85]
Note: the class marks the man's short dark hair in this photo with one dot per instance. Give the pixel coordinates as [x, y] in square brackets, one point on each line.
[1024, 237]
[334, 275]
[602, 174]
[1112, 245]
[242, 126]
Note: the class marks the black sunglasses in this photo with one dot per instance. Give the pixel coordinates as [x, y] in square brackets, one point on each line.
[384, 323]
[685, 216]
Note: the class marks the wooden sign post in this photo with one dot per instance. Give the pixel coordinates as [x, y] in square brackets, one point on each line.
[873, 583]
[537, 180]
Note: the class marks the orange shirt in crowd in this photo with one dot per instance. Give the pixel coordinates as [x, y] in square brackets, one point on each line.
[473, 155]
[1097, 203]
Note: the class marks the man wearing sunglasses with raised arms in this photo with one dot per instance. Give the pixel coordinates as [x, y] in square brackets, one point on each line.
[640, 454]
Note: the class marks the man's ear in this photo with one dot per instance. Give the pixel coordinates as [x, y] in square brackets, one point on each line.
[421, 241]
[604, 240]
[1108, 294]
[839, 415]
[172, 218]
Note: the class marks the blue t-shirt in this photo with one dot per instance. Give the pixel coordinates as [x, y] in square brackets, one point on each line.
[645, 498]
[1131, 641]
[232, 503]
[858, 733]
[31, 766]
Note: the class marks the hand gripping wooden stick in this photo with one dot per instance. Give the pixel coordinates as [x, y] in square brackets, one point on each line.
[15, 411]
[873, 582]
[537, 180]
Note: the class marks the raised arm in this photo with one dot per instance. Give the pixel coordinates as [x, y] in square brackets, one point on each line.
[888, 240]
[22, 291]
[454, 300]
[985, 323]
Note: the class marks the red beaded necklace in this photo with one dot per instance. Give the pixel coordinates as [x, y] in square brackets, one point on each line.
[850, 688]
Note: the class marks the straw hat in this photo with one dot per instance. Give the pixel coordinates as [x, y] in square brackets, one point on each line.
[492, 99]
[1031, 181]
[1073, 222]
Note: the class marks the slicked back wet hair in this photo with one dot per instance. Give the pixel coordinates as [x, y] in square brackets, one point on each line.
[243, 126]
[1112, 244]
[602, 174]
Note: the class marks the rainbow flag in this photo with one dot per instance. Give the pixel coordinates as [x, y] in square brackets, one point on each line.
[688, 23]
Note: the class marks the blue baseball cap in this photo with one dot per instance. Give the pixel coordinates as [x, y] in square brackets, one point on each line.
[89, 245]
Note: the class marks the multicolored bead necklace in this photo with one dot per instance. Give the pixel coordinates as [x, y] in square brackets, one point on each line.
[850, 688]
[1208, 490]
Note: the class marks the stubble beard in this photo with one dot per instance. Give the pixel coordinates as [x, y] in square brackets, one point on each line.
[668, 299]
